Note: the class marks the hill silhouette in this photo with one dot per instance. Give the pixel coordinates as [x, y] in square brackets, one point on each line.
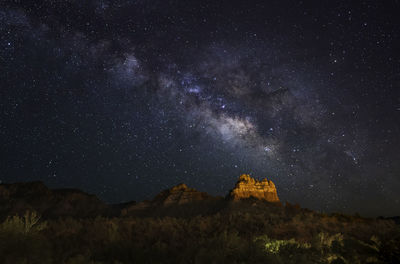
[183, 225]
[18, 198]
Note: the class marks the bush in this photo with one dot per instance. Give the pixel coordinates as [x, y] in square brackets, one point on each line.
[21, 240]
[248, 235]
[29, 223]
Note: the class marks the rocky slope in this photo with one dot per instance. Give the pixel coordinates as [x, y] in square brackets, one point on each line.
[248, 187]
[178, 198]
[179, 194]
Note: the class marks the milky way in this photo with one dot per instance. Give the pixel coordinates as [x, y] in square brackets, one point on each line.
[126, 98]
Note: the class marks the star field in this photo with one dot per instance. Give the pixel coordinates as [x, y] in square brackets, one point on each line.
[126, 98]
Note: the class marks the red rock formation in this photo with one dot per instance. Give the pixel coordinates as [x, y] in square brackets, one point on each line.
[247, 187]
[179, 194]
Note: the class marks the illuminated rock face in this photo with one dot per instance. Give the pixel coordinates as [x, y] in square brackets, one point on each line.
[179, 194]
[247, 187]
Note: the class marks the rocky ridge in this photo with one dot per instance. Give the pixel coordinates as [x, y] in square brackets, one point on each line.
[248, 187]
[179, 194]
[35, 196]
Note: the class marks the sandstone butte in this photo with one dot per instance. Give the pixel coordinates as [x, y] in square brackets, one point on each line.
[179, 194]
[20, 197]
[248, 187]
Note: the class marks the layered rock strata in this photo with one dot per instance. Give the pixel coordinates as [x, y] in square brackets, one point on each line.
[248, 187]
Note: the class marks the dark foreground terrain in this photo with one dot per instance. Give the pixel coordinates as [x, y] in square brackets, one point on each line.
[182, 225]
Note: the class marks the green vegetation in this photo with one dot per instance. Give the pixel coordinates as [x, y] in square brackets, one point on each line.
[325, 248]
[238, 235]
[276, 246]
[22, 240]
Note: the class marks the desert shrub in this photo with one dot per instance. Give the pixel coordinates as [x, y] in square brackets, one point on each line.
[80, 259]
[29, 223]
[324, 248]
[324, 241]
[274, 246]
[390, 250]
[21, 240]
[284, 251]
[225, 237]
[225, 247]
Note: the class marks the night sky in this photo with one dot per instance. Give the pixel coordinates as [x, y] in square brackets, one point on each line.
[126, 98]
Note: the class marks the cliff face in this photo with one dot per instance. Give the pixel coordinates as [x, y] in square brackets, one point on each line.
[247, 187]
